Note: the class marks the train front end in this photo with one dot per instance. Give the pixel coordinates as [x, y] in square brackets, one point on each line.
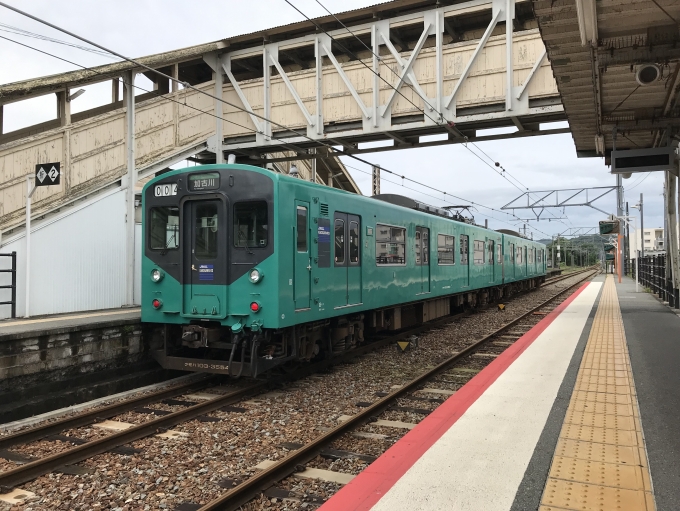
[209, 276]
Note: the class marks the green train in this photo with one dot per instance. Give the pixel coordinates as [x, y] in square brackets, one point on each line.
[244, 270]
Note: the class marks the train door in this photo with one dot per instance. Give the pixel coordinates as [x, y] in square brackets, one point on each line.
[492, 269]
[205, 259]
[500, 267]
[302, 265]
[422, 249]
[525, 251]
[513, 267]
[354, 260]
[464, 259]
[347, 255]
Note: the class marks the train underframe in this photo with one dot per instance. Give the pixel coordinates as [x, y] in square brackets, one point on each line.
[212, 348]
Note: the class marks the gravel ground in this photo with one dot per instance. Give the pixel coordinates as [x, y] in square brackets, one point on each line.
[10, 431]
[190, 468]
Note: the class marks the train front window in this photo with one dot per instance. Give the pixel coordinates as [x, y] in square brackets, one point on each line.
[205, 225]
[164, 228]
[251, 226]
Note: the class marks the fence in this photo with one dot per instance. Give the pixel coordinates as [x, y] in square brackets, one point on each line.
[13, 286]
[655, 276]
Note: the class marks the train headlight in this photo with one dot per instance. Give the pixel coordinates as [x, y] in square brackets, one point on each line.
[255, 275]
[156, 275]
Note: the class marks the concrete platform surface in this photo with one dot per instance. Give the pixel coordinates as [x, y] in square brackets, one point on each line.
[472, 452]
[653, 335]
[67, 321]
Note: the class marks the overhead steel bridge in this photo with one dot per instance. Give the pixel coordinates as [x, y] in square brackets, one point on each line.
[411, 73]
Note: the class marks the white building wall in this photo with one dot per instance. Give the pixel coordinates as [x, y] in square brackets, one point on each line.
[650, 240]
[77, 260]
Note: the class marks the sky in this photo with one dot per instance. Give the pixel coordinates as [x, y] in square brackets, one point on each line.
[143, 27]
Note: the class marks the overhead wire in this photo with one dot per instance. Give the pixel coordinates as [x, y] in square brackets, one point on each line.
[189, 86]
[503, 172]
[476, 204]
[640, 181]
[25, 33]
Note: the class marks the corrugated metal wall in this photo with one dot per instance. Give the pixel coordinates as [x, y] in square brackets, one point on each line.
[77, 260]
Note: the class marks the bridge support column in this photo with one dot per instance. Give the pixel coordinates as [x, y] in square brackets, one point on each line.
[219, 82]
[130, 182]
[375, 181]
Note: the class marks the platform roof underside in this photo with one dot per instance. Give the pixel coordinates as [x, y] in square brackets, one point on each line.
[595, 48]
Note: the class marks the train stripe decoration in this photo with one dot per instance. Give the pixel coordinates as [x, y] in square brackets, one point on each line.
[245, 270]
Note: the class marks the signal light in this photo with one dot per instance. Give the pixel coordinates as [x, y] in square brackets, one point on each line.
[255, 307]
[156, 303]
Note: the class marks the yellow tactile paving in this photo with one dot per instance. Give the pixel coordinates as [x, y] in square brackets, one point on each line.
[600, 462]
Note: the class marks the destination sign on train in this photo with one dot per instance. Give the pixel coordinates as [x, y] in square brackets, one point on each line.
[207, 181]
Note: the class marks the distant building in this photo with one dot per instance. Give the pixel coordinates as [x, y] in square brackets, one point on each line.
[653, 240]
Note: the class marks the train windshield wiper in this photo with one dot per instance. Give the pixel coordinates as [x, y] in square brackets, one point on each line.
[165, 250]
[245, 238]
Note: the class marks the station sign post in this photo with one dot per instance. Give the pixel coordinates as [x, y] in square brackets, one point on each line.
[46, 174]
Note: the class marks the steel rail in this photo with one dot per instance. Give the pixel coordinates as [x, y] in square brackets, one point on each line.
[79, 453]
[43, 466]
[558, 278]
[105, 412]
[251, 487]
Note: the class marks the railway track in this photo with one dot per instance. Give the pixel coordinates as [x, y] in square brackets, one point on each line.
[558, 278]
[252, 487]
[249, 489]
[58, 461]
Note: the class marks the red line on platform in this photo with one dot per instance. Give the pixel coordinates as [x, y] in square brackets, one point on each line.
[366, 489]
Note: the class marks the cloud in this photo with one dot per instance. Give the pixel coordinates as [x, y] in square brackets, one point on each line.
[143, 27]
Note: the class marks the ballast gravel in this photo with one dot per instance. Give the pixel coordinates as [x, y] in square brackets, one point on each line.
[227, 445]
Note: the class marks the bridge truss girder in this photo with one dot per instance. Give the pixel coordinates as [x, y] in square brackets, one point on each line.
[538, 201]
[347, 103]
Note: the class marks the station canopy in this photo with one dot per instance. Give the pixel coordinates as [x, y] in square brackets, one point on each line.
[616, 65]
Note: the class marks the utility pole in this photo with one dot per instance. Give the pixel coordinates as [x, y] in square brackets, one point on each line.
[642, 230]
[626, 242]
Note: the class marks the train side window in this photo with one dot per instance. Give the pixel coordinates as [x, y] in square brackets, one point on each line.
[539, 256]
[164, 228]
[499, 253]
[478, 255]
[530, 256]
[339, 242]
[390, 245]
[512, 252]
[354, 243]
[518, 258]
[445, 249]
[250, 224]
[464, 241]
[490, 247]
[301, 229]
